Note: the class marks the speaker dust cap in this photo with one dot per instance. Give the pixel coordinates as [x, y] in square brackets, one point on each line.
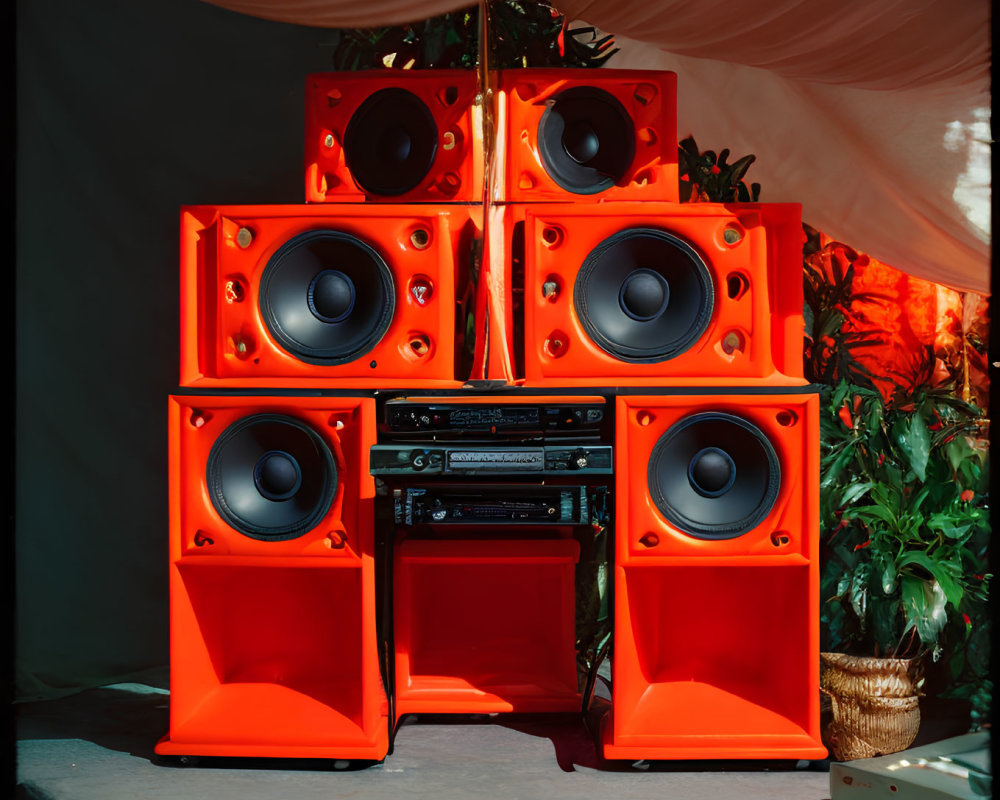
[271, 477]
[714, 475]
[586, 140]
[643, 295]
[327, 297]
[390, 142]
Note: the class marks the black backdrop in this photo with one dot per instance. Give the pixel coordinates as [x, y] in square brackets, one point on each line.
[125, 112]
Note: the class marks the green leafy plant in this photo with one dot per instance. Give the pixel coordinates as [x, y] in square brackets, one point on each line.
[830, 344]
[904, 517]
[522, 33]
[708, 177]
[535, 34]
[905, 528]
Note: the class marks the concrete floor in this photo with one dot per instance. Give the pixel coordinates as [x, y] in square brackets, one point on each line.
[98, 745]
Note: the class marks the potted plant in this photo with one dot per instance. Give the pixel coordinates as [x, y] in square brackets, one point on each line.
[905, 537]
[904, 528]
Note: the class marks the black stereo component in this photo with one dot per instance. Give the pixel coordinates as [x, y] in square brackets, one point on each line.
[481, 504]
[408, 416]
[398, 460]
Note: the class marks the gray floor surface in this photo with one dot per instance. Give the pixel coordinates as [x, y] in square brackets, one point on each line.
[98, 745]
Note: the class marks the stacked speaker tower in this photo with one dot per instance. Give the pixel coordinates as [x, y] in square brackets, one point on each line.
[405, 405]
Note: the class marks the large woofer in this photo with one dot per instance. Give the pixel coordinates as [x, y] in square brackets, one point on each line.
[390, 142]
[714, 475]
[643, 295]
[271, 477]
[586, 140]
[327, 297]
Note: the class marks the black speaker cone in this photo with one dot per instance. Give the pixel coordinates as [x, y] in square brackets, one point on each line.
[390, 142]
[714, 475]
[644, 295]
[586, 140]
[327, 297]
[271, 477]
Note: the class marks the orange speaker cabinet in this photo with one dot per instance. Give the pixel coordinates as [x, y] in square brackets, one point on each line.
[326, 297]
[586, 135]
[393, 135]
[485, 626]
[273, 643]
[650, 294]
[716, 579]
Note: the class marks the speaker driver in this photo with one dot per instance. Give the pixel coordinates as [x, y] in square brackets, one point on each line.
[271, 477]
[586, 140]
[327, 297]
[390, 142]
[714, 475]
[644, 295]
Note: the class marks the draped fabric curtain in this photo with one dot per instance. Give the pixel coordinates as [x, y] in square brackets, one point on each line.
[873, 116]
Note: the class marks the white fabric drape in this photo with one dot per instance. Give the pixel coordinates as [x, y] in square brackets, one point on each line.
[873, 116]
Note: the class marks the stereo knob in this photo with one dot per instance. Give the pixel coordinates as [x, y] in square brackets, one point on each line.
[579, 459]
[419, 461]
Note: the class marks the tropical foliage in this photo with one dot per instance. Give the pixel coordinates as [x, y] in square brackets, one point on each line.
[904, 495]
[708, 177]
[522, 33]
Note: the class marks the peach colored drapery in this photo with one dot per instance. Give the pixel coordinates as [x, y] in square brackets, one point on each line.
[874, 116]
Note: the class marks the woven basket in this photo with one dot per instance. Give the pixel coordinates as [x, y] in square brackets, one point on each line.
[874, 704]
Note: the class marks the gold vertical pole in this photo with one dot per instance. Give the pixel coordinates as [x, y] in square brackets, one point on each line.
[966, 389]
[487, 98]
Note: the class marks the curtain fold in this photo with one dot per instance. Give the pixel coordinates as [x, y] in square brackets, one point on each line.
[876, 117]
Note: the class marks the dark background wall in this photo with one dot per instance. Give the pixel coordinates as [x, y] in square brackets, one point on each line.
[125, 112]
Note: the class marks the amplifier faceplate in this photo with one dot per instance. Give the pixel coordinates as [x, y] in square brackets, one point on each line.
[400, 459]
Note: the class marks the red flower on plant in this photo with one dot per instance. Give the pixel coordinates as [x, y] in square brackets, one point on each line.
[862, 546]
[715, 169]
[968, 622]
[845, 416]
[967, 495]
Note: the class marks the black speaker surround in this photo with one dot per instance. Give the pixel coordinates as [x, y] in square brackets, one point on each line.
[390, 142]
[644, 295]
[714, 475]
[586, 140]
[327, 297]
[271, 477]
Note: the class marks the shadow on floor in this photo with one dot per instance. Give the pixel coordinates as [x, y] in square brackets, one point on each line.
[132, 722]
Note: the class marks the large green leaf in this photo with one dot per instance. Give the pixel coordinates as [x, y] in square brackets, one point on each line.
[859, 589]
[832, 473]
[854, 492]
[915, 441]
[950, 588]
[923, 605]
[877, 512]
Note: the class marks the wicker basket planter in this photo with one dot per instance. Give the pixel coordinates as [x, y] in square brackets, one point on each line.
[874, 702]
